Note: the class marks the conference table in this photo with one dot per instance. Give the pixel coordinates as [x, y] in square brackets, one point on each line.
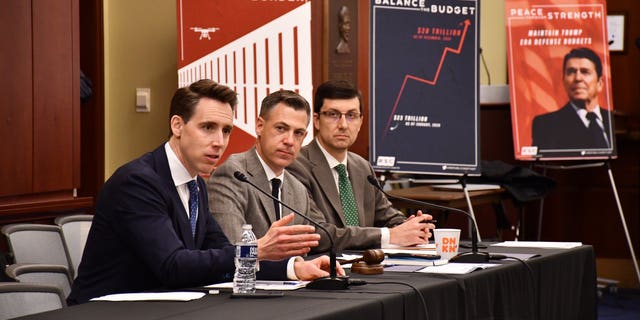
[557, 284]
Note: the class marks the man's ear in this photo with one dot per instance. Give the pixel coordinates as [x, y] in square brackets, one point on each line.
[259, 126]
[176, 125]
[600, 84]
[316, 121]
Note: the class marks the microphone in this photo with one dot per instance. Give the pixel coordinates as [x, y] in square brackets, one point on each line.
[332, 282]
[470, 257]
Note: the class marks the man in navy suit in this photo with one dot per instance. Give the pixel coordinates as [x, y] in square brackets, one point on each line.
[582, 123]
[150, 233]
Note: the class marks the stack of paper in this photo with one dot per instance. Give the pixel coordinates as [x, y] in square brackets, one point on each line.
[538, 244]
[265, 285]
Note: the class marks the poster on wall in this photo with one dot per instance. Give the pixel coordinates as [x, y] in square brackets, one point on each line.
[254, 47]
[558, 63]
[424, 87]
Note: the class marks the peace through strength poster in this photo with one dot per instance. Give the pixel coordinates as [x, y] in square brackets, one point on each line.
[558, 63]
[424, 86]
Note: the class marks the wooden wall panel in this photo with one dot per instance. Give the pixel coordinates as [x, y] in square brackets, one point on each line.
[92, 110]
[15, 98]
[55, 95]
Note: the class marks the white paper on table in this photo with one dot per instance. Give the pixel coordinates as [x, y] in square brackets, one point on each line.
[152, 296]
[457, 268]
[538, 244]
[349, 256]
[265, 285]
[413, 262]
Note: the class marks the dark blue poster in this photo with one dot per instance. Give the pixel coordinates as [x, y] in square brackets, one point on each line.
[424, 87]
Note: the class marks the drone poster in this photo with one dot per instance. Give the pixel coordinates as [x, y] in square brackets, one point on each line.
[424, 87]
[560, 80]
[253, 47]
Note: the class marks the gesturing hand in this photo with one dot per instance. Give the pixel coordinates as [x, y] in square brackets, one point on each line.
[283, 241]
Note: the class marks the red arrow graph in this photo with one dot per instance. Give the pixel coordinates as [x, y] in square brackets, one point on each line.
[435, 77]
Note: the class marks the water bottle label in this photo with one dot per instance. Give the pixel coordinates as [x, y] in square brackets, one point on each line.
[247, 251]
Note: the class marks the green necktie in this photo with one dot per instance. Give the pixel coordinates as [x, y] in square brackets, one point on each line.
[346, 197]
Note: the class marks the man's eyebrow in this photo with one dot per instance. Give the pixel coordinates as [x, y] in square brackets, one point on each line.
[282, 123]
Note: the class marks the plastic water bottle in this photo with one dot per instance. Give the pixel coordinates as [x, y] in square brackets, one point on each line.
[244, 279]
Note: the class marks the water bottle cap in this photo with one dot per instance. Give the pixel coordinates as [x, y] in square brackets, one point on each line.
[246, 227]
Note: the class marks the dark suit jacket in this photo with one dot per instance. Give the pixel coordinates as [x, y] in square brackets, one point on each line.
[374, 209]
[563, 129]
[140, 238]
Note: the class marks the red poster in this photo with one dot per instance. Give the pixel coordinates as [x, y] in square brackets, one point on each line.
[253, 46]
[560, 80]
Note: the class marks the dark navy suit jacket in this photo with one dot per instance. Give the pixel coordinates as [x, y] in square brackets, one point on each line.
[563, 129]
[140, 238]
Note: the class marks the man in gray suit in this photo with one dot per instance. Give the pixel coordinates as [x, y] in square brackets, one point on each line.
[362, 215]
[280, 129]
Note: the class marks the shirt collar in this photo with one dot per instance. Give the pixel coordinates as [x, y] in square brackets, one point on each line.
[179, 173]
[267, 169]
[583, 112]
[333, 162]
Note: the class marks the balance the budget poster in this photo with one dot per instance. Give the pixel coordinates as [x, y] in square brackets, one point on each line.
[424, 87]
[560, 80]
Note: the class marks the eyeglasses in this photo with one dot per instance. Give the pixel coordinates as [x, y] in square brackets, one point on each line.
[336, 116]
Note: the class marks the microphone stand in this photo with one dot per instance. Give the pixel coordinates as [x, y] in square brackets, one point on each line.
[470, 257]
[332, 282]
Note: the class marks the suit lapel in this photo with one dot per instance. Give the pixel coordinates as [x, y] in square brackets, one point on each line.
[357, 178]
[289, 196]
[179, 215]
[259, 177]
[607, 126]
[324, 175]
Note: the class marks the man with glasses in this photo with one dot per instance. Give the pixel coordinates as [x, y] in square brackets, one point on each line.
[361, 215]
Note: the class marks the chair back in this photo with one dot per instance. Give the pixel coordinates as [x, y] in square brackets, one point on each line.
[21, 299]
[37, 243]
[75, 229]
[46, 274]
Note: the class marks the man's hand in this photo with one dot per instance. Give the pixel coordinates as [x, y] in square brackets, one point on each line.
[283, 241]
[413, 231]
[316, 268]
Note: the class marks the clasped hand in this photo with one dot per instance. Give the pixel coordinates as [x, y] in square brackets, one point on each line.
[415, 230]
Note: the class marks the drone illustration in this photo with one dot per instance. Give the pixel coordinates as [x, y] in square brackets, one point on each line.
[204, 32]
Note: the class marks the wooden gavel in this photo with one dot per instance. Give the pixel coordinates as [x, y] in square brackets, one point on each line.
[369, 263]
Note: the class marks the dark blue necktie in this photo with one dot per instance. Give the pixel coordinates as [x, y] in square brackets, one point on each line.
[193, 205]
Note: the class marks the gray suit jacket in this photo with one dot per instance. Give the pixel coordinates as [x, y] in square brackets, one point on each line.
[234, 203]
[374, 209]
